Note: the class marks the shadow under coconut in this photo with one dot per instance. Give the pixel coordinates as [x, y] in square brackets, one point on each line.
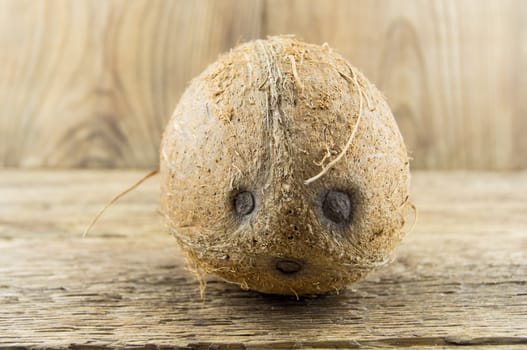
[287, 314]
[169, 296]
[367, 307]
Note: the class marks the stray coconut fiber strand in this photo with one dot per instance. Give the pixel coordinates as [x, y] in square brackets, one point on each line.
[116, 198]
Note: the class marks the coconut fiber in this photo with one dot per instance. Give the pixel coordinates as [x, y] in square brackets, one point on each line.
[283, 170]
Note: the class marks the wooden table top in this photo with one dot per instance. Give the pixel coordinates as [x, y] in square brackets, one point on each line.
[460, 277]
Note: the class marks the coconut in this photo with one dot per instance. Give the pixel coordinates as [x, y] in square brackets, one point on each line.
[283, 170]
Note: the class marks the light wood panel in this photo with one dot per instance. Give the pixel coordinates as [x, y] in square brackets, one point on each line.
[91, 83]
[452, 70]
[460, 277]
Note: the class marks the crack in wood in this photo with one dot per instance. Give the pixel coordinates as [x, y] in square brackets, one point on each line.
[324, 344]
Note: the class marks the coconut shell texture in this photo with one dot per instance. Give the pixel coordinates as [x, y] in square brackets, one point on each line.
[260, 122]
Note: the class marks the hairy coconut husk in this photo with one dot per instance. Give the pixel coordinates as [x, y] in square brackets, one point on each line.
[288, 122]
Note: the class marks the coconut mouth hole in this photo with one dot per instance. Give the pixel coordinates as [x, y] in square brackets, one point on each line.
[287, 266]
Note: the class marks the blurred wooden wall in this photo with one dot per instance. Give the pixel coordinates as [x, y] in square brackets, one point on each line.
[91, 83]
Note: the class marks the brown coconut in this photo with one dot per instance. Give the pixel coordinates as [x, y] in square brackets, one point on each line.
[283, 170]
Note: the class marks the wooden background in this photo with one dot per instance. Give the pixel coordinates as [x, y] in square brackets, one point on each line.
[91, 83]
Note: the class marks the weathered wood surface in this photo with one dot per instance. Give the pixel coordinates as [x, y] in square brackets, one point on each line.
[460, 276]
[92, 83]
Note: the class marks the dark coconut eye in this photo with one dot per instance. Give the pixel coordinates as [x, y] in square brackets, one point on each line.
[244, 203]
[336, 206]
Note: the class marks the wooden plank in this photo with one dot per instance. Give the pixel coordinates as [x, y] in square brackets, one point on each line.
[460, 277]
[450, 69]
[63, 202]
[92, 83]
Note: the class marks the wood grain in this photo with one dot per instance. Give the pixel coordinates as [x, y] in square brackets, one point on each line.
[92, 83]
[460, 277]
